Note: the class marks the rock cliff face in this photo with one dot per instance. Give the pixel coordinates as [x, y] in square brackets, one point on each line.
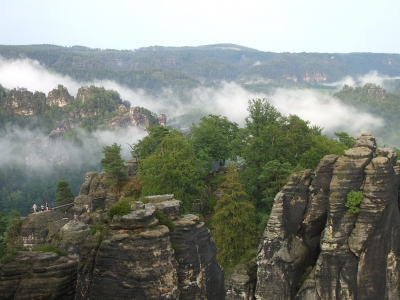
[130, 256]
[38, 275]
[50, 149]
[131, 118]
[23, 102]
[313, 248]
[59, 97]
[375, 91]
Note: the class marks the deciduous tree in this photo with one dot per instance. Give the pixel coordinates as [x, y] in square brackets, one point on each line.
[172, 169]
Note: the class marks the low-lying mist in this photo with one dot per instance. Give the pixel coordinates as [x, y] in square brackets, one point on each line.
[20, 146]
[228, 99]
[371, 77]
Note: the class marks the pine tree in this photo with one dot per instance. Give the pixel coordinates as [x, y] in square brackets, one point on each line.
[113, 163]
[234, 222]
[63, 193]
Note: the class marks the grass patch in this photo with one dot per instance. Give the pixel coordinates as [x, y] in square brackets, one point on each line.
[98, 226]
[49, 248]
[163, 220]
[122, 207]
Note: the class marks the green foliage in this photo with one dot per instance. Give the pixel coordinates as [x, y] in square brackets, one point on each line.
[322, 145]
[96, 227]
[12, 236]
[49, 248]
[113, 163]
[5, 225]
[214, 138]
[234, 222]
[175, 246]
[9, 257]
[63, 192]
[275, 174]
[345, 139]
[387, 109]
[122, 207]
[172, 169]
[354, 198]
[149, 143]
[131, 188]
[271, 141]
[163, 220]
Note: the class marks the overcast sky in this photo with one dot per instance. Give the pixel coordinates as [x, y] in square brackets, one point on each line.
[268, 25]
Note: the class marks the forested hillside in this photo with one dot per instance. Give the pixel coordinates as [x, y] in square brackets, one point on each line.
[374, 99]
[154, 68]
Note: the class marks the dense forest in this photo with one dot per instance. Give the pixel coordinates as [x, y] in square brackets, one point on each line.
[155, 68]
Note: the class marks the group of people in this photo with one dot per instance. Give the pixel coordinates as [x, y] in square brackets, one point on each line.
[42, 207]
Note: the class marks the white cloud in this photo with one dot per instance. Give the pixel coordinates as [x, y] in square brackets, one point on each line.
[229, 99]
[371, 77]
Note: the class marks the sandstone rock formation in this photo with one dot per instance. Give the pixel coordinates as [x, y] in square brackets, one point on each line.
[38, 275]
[59, 96]
[131, 256]
[131, 118]
[375, 91]
[313, 248]
[50, 149]
[23, 102]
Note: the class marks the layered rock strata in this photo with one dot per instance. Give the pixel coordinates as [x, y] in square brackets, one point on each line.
[314, 248]
[131, 256]
[38, 275]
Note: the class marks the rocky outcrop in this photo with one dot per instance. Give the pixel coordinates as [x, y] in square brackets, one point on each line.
[130, 255]
[240, 285]
[59, 97]
[38, 275]
[162, 120]
[199, 274]
[23, 102]
[50, 149]
[375, 91]
[314, 248]
[131, 118]
[39, 228]
[135, 258]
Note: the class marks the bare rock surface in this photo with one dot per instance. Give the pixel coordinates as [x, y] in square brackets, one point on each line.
[199, 274]
[38, 275]
[239, 285]
[314, 248]
[39, 228]
[130, 256]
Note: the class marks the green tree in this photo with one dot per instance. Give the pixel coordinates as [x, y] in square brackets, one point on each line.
[275, 174]
[113, 163]
[63, 193]
[5, 221]
[321, 146]
[214, 139]
[270, 136]
[172, 169]
[234, 226]
[345, 139]
[149, 143]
